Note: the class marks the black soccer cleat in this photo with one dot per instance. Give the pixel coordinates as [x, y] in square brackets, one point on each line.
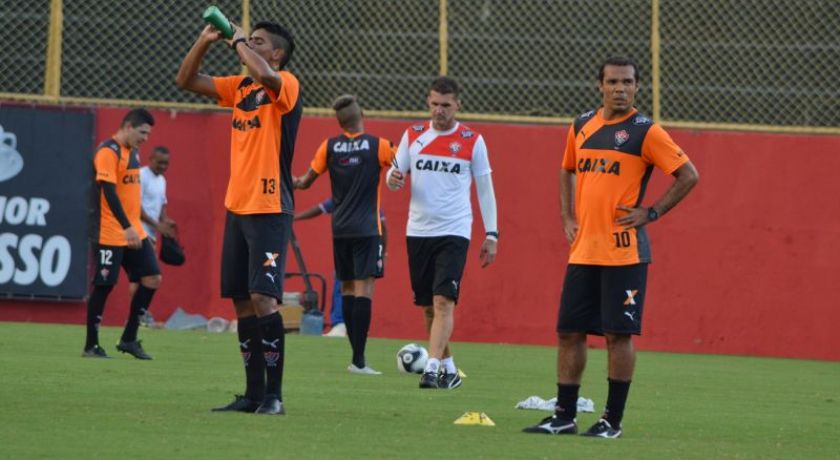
[94, 352]
[429, 380]
[271, 405]
[134, 349]
[448, 381]
[239, 404]
[602, 429]
[553, 425]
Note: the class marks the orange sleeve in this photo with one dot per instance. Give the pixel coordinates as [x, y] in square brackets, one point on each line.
[226, 88]
[319, 162]
[387, 152]
[659, 149]
[289, 92]
[569, 156]
[105, 162]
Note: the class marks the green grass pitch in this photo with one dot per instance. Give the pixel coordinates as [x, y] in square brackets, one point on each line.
[58, 405]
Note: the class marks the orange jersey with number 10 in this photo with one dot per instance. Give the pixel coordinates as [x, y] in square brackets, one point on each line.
[612, 161]
[264, 129]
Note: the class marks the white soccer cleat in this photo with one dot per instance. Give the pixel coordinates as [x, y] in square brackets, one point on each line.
[367, 370]
[339, 330]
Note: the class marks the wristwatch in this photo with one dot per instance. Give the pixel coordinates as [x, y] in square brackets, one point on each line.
[652, 214]
[237, 41]
[493, 235]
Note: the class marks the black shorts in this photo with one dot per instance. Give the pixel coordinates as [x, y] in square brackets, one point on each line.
[436, 265]
[358, 258]
[254, 254]
[137, 263]
[598, 299]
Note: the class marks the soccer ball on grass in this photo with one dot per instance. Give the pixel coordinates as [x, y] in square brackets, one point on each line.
[411, 359]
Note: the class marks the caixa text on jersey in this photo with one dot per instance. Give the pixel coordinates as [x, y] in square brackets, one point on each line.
[245, 125]
[438, 165]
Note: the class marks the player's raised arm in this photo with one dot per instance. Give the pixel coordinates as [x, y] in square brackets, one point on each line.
[188, 77]
[257, 66]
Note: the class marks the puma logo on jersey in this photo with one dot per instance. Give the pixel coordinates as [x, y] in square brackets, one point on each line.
[244, 345]
[352, 146]
[599, 165]
[270, 276]
[438, 165]
[271, 259]
[630, 315]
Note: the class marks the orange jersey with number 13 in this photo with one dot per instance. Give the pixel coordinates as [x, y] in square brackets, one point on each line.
[263, 132]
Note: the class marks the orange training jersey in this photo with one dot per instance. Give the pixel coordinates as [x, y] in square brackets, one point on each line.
[262, 143]
[612, 161]
[118, 165]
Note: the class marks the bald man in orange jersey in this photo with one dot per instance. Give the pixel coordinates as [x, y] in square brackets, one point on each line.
[610, 154]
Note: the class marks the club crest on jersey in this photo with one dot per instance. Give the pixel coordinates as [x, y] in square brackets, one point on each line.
[104, 272]
[418, 128]
[455, 147]
[466, 134]
[621, 137]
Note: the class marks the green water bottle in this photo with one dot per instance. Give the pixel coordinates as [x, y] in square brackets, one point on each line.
[213, 16]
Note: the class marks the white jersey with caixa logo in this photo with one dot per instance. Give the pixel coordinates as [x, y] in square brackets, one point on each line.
[442, 165]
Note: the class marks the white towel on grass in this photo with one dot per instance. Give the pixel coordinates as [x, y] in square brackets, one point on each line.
[535, 402]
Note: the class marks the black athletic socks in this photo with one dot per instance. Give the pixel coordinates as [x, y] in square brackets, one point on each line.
[251, 349]
[95, 308]
[616, 399]
[567, 396]
[348, 304]
[274, 346]
[139, 304]
[361, 326]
